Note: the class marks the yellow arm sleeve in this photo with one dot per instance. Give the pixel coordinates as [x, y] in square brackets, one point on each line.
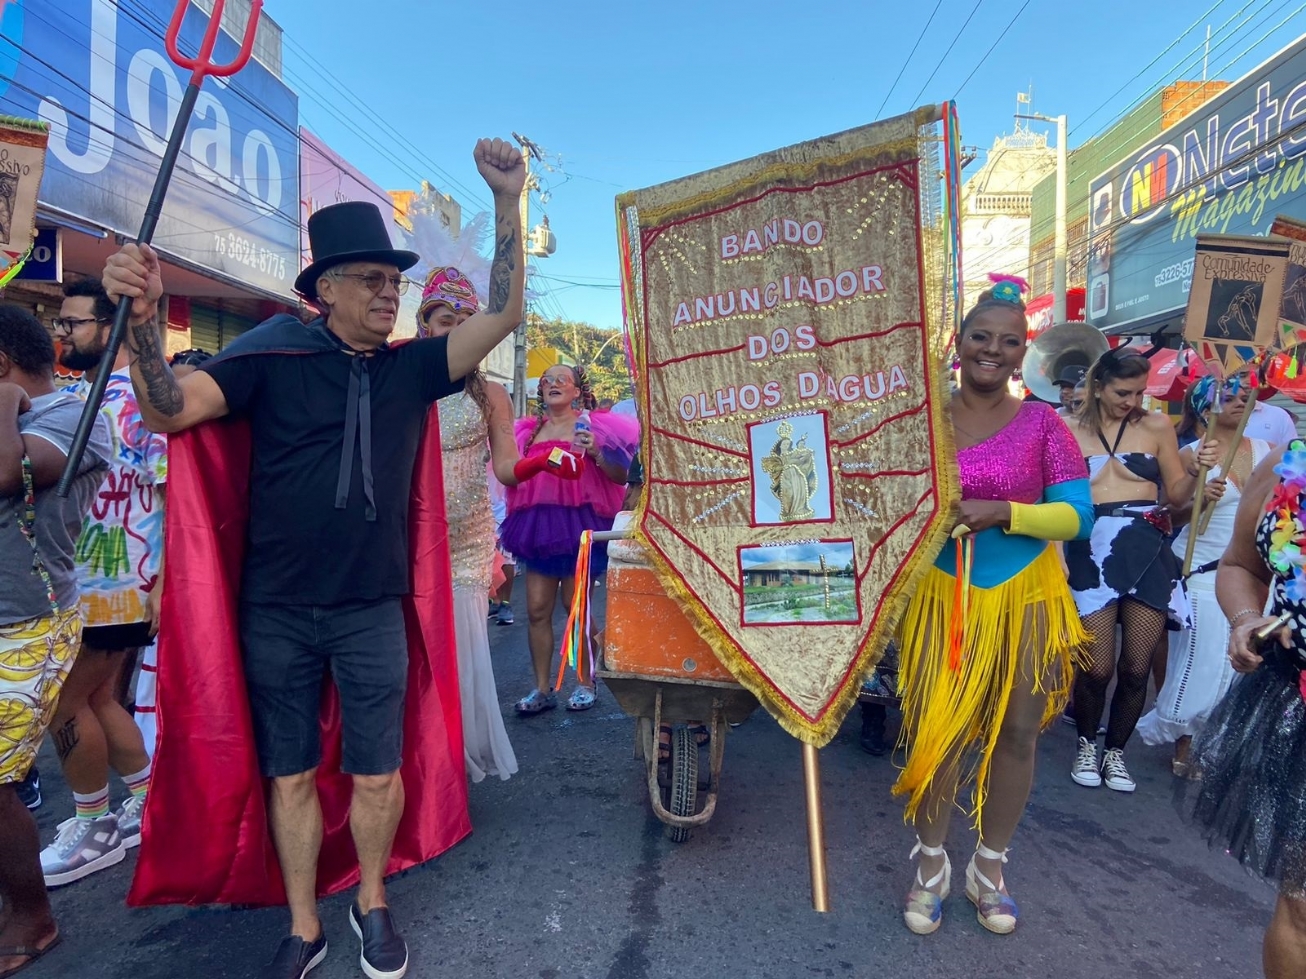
[1045, 521]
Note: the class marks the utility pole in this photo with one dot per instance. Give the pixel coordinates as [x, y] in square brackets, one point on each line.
[1059, 246]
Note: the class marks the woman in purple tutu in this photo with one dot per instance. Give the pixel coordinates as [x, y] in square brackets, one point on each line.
[546, 517]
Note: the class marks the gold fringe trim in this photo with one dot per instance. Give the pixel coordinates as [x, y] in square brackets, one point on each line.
[947, 480]
[946, 712]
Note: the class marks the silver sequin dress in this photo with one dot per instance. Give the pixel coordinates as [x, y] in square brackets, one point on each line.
[463, 439]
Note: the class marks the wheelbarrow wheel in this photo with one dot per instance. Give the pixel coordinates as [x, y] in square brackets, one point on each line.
[684, 780]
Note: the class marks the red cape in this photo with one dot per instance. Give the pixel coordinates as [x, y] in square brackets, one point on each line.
[205, 838]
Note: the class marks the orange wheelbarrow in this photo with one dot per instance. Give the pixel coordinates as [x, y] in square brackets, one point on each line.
[661, 672]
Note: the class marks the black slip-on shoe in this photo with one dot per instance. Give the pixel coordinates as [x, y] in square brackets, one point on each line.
[385, 953]
[296, 958]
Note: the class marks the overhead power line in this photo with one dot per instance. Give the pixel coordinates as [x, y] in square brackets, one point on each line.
[956, 37]
[996, 41]
[920, 37]
[1170, 47]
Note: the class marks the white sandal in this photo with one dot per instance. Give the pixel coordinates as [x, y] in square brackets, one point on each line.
[924, 911]
[995, 909]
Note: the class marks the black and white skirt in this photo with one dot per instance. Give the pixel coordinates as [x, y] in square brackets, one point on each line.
[1127, 556]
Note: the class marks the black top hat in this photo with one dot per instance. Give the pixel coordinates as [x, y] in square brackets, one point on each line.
[352, 231]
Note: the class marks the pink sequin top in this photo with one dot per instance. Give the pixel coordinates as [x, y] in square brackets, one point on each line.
[1033, 459]
[1020, 461]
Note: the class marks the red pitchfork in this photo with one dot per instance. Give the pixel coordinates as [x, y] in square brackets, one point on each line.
[200, 66]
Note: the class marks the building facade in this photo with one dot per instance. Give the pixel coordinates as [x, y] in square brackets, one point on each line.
[996, 208]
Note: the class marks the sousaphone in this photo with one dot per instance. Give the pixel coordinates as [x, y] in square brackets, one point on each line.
[1056, 349]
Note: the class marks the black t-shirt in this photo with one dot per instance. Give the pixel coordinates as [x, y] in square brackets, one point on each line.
[302, 549]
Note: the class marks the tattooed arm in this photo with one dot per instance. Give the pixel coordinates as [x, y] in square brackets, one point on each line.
[471, 342]
[167, 404]
[504, 454]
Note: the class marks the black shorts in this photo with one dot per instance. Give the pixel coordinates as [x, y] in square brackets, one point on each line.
[287, 650]
[113, 638]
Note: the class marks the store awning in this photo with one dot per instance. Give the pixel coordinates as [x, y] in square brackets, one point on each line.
[53, 217]
[1172, 371]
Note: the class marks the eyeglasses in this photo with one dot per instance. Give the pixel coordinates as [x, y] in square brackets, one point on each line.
[557, 379]
[64, 324]
[375, 281]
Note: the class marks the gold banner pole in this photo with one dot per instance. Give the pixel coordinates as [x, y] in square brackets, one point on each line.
[815, 829]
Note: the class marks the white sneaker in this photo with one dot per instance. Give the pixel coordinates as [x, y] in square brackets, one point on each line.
[1085, 770]
[129, 820]
[1114, 771]
[82, 847]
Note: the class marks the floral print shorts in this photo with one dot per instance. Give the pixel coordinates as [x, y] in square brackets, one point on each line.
[35, 657]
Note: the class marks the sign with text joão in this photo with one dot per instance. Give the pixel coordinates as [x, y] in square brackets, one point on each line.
[787, 320]
[96, 73]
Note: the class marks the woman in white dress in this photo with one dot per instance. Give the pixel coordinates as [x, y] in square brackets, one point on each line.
[1198, 672]
[481, 413]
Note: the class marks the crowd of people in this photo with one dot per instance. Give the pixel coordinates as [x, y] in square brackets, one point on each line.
[1073, 523]
[1112, 486]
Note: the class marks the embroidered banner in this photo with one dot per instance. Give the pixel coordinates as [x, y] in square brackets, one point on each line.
[1292, 307]
[1236, 297]
[790, 316]
[22, 163]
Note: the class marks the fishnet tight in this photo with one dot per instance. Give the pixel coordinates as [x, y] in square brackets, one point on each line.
[1141, 628]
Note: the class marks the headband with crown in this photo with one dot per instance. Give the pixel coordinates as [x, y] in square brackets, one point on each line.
[448, 286]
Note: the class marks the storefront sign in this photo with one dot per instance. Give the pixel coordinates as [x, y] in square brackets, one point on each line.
[1228, 168]
[45, 264]
[1038, 311]
[326, 178]
[95, 71]
[791, 387]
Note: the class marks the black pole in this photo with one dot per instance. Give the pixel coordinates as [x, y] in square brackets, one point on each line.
[152, 210]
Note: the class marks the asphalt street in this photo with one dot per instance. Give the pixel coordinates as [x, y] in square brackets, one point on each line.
[568, 876]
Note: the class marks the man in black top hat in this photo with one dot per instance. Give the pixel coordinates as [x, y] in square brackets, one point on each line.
[336, 417]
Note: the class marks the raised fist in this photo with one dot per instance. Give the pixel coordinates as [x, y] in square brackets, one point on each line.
[502, 167]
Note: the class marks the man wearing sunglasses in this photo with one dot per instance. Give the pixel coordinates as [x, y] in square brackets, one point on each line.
[336, 417]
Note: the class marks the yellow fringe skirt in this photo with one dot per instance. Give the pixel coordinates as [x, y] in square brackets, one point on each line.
[950, 705]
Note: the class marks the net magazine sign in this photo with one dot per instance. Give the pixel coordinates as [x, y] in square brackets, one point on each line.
[1227, 168]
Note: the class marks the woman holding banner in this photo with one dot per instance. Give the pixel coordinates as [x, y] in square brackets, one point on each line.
[1198, 673]
[988, 637]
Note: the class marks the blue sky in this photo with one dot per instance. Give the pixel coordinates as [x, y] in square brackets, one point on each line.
[631, 95]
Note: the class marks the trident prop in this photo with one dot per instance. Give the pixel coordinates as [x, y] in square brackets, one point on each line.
[200, 66]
